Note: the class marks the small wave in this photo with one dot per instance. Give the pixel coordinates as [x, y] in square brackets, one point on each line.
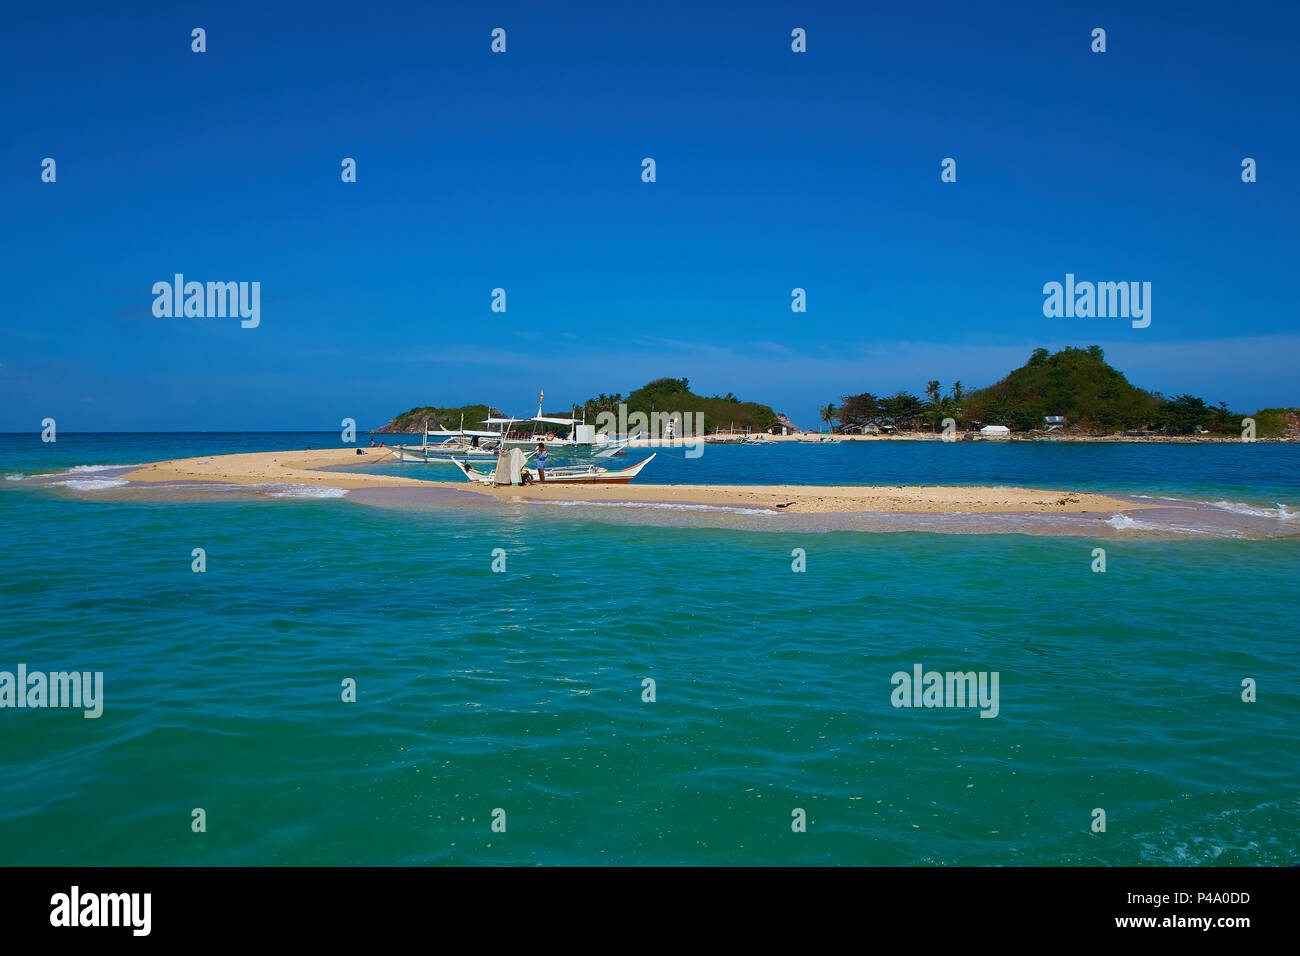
[1122, 522]
[74, 470]
[1281, 513]
[92, 484]
[658, 506]
[305, 491]
[79, 469]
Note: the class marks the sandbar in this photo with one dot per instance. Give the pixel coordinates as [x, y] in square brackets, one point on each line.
[305, 468]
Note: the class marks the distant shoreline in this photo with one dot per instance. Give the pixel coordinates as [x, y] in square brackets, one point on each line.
[969, 437]
[804, 438]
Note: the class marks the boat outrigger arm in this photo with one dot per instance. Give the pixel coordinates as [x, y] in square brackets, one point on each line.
[564, 474]
[457, 443]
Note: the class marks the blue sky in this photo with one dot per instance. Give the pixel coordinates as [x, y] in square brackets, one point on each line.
[775, 170]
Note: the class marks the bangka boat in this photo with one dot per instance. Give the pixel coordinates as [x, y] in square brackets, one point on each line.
[580, 438]
[478, 445]
[565, 435]
[561, 474]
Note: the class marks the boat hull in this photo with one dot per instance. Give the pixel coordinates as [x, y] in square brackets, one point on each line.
[569, 475]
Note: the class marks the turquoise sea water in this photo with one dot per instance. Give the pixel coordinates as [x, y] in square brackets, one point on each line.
[522, 690]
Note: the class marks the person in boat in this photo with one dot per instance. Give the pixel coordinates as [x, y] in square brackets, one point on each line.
[541, 462]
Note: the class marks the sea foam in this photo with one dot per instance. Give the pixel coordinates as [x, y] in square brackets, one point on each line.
[92, 484]
[1122, 522]
[305, 491]
[1281, 513]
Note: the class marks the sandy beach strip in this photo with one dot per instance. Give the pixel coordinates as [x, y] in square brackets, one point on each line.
[304, 468]
[278, 467]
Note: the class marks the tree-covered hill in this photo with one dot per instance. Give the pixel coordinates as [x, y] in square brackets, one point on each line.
[1074, 383]
[675, 395]
[417, 419]
[662, 395]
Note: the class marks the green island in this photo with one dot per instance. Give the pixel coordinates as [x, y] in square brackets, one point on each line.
[1073, 392]
[662, 395]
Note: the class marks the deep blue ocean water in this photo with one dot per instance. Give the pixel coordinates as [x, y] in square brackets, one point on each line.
[522, 690]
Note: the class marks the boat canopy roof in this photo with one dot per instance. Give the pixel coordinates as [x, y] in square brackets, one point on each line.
[464, 431]
[538, 418]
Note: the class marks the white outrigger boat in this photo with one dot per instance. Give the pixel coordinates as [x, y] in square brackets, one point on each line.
[511, 470]
[579, 439]
[819, 438]
[478, 445]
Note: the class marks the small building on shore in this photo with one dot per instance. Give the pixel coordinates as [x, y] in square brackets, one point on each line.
[995, 431]
[782, 426]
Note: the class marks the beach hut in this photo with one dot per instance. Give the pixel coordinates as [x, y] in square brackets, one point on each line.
[995, 431]
[782, 426]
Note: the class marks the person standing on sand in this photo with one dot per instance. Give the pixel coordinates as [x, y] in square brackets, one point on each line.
[541, 462]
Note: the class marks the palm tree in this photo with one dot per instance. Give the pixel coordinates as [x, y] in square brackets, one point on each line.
[828, 415]
[956, 391]
[932, 390]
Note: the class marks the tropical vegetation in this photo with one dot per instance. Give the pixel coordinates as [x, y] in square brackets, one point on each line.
[1076, 384]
